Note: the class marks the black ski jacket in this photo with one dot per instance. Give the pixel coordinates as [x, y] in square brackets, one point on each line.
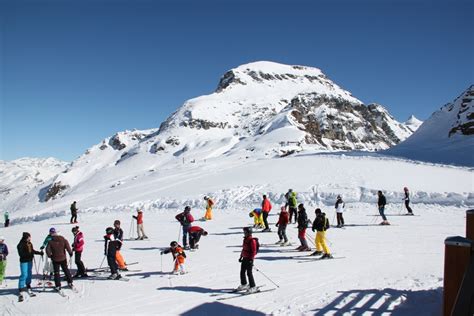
[382, 201]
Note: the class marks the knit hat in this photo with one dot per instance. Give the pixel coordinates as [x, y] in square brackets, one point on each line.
[52, 230]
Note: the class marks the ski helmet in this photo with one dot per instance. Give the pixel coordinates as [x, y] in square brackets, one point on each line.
[52, 230]
[173, 244]
[247, 230]
[109, 230]
[251, 214]
[204, 233]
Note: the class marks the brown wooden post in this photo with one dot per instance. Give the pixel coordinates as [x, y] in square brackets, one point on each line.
[470, 224]
[457, 253]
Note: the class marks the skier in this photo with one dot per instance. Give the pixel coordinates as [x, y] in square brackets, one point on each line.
[381, 204]
[407, 201]
[283, 220]
[3, 259]
[74, 210]
[26, 253]
[321, 224]
[249, 251]
[6, 215]
[257, 218]
[302, 225]
[209, 204]
[110, 249]
[56, 250]
[339, 210]
[292, 203]
[185, 219]
[178, 256]
[195, 233]
[48, 264]
[140, 230]
[118, 234]
[78, 247]
[266, 208]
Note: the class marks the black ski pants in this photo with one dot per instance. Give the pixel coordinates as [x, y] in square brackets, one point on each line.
[246, 268]
[67, 273]
[194, 239]
[265, 219]
[81, 270]
[111, 259]
[295, 212]
[407, 205]
[73, 218]
[340, 219]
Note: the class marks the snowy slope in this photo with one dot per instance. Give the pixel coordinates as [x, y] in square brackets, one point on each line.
[18, 177]
[446, 137]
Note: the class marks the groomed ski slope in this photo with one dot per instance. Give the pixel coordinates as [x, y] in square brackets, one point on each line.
[393, 270]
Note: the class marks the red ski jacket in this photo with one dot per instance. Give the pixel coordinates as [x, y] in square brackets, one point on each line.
[195, 229]
[283, 219]
[266, 205]
[78, 244]
[139, 218]
[249, 248]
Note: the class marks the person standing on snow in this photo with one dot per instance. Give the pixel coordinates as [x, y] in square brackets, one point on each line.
[209, 204]
[3, 259]
[56, 250]
[292, 203]
[407, 201]
[195, 233]
[110, 249]
[321, 224]
[74, 210]
[118, 235]
[48, 264]
[247, 256]
[302, 226]
[178, 256]
[140, 230]
[26, 253]
[185, 219]
[77, 248]
[283, 220]
[382, 201]
[339, 210]
[6, 216]
[266, 208]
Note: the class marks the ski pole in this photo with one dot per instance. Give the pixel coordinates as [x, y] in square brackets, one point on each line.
[310, 239]
[334, 217]
[179, 232]
[161, 256]
[266, 276]
[130, 230]
[102, 262]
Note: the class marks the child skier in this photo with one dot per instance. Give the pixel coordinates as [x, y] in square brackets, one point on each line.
[195, 233]
[185, 219]
[48, 264]
[140, 230]
[77, 248]
[56, 250]
[302, 225]
[178, 256]
[110, 249]
[209, 204]
[3, 259]
[339, 210]
[321, 224]
[407, 201]
[118, 234]
[26, 253]
[249, 251]
[281, 224]
[257, 218]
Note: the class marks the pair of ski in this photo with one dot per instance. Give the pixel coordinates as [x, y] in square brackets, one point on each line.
[63, 294]
[106, 269]
[236, 293]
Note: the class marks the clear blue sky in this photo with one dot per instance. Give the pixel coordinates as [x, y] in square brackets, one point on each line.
[75, 72]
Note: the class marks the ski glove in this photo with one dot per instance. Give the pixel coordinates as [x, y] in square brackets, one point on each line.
[241, 259]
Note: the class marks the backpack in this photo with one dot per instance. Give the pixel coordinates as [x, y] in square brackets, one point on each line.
[257, 245]
[326, 224]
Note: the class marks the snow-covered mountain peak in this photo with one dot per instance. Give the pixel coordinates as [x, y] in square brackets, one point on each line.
[413, 123]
